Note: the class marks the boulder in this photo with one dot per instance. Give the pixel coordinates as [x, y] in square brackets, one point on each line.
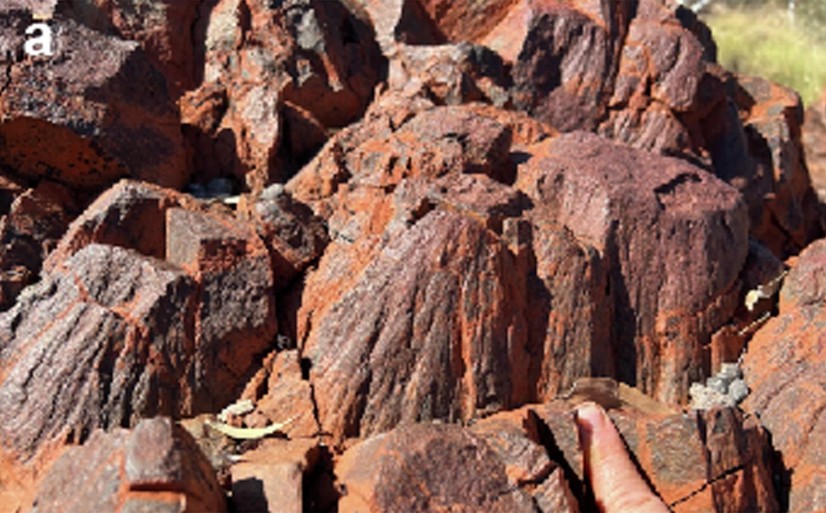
[672, 238]
[424, 467]
[156, 466]
[164, 28]
[784, 368]
[319, 56]
[95, 111]
[110, 331]
[814, 144]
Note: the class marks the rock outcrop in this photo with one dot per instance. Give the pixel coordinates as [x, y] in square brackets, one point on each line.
[393, 236]
[784, 368]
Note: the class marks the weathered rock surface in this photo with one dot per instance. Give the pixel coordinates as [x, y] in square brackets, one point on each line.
[672, 237]
[94, 112]
[109, 332]
[273, 477]
[163, 27]
[710, 462]
[154, 467]
[814, 144]
[32, 220]
[294, 236]
[424, 468]
[125, 334]
[438, 253]
[319, 56]
[784, 367]
[781, 199]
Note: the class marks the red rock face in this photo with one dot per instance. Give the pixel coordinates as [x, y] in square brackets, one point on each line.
[163, 28]
[452, 212]
[318, 56]
[813, 137]
[154, 467]
[784, 369]
[672, 237]
[104, 113]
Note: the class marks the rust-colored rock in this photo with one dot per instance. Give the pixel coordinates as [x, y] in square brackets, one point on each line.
[163, 27]
[424, 467]
[319, 56]
[130, 214]
[234, 306]
[814, 145]
[781, 200]
[94, 112]
[672, 237]
[272, 477]
[111, 327]
[450, 74]
[784, 367]
[710, 461]
[282, 393]
[294, 236]
[32, 222]
[154, 467]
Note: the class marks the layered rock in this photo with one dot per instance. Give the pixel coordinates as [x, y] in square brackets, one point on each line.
[154, 467]
[672, 237]
[127, 335]
[94, 112]
[784, 368]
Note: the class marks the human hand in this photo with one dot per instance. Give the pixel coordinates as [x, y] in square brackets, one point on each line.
[617, 485]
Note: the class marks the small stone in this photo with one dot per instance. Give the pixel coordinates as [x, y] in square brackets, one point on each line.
[717, 384]
[738, 390]
[729, 372]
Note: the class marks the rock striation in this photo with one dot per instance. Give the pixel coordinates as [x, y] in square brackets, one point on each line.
[393, 237]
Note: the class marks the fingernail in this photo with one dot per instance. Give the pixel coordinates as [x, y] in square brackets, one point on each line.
[590, 416]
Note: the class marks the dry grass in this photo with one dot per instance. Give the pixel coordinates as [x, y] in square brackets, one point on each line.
[765, 42]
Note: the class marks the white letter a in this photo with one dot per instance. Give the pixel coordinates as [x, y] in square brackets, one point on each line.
[40, 45]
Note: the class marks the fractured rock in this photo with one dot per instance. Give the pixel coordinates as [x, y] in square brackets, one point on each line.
[154, 467]
[424, 467]
[110, 333]
[319, 56]
[32, 222]
[294, 236]
[672, 237]
[784, 367]
[98, 110]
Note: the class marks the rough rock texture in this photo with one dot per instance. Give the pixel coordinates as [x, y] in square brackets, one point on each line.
[32, 220]
[154, 467]
[295, 237]
[424, 468]
[781, 200]
[104, 112]
[124, 334]
[272, 477]
[785, 368]
[319, 56]
[163, 27]
[415, 246]
[710, 462]
[672, 237]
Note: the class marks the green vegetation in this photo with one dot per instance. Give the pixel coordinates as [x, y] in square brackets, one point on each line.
[764, 40]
